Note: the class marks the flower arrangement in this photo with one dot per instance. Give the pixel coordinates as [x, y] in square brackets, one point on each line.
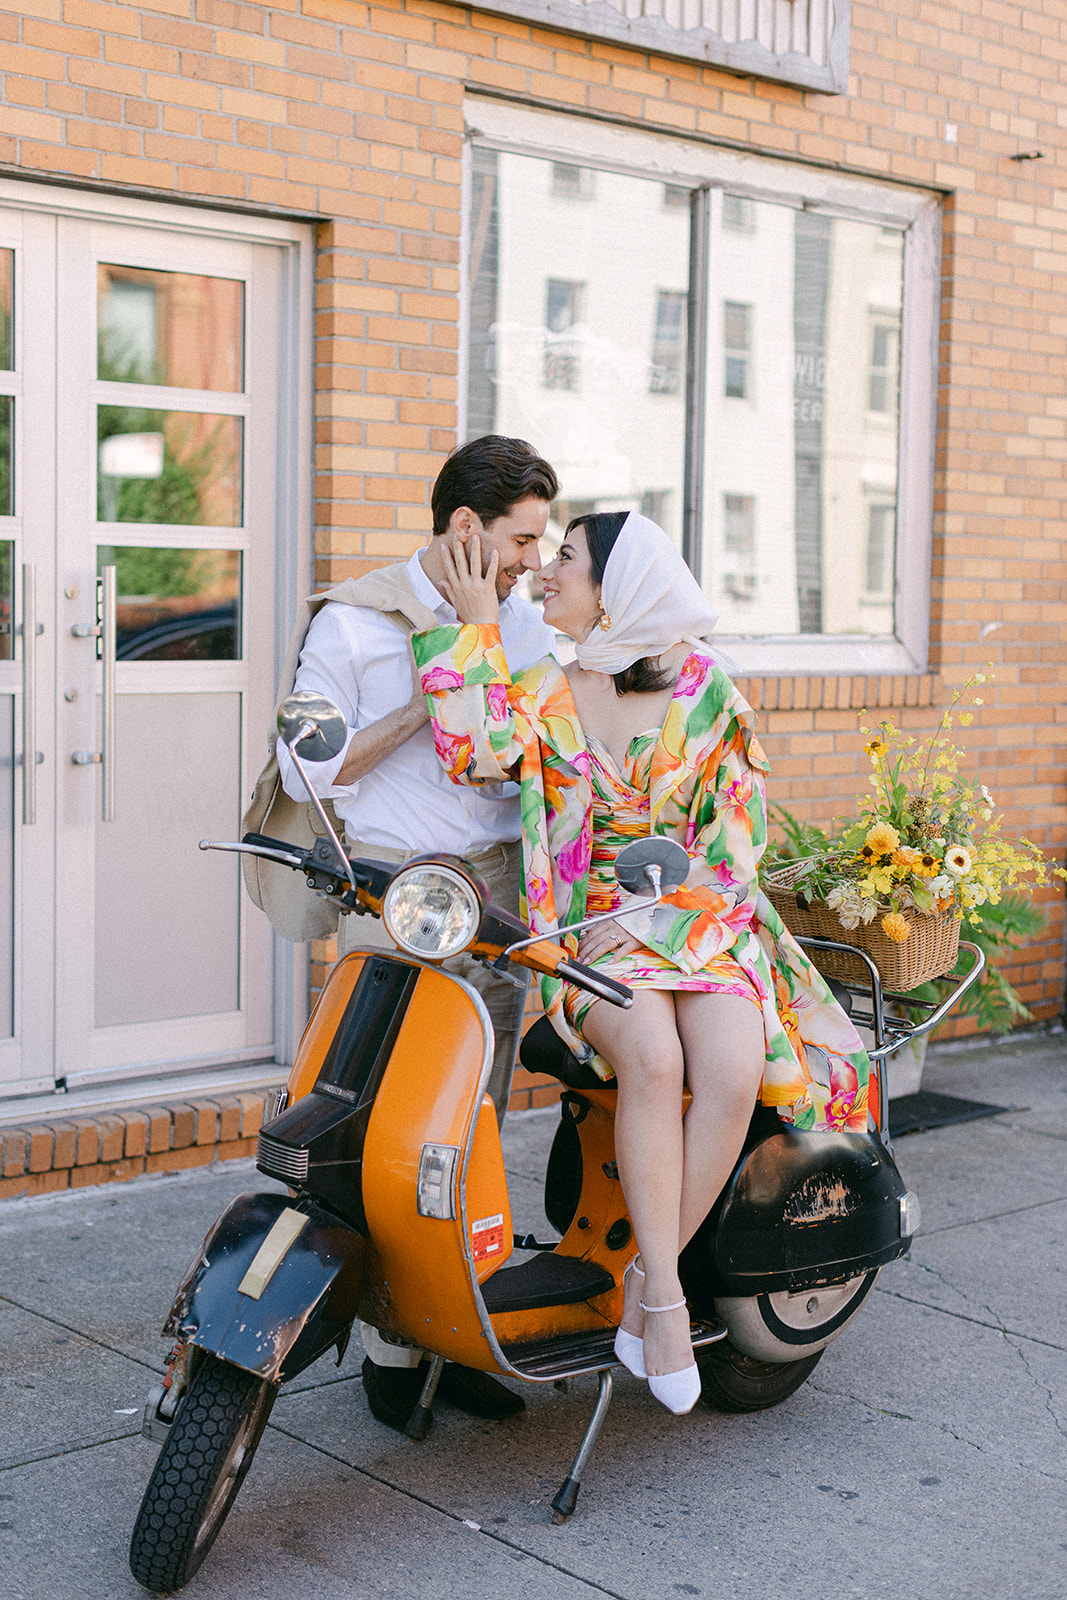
[927, 841]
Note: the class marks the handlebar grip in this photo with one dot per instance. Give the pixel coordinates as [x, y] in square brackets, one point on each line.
[597, 983]
[263, 842]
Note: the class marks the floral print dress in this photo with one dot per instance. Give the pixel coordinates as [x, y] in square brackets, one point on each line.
[706, 789]
[620, 815]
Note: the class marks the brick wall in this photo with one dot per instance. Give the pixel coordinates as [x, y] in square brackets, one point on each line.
[354, 112]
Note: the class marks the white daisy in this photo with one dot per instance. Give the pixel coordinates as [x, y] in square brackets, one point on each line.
[958, 861]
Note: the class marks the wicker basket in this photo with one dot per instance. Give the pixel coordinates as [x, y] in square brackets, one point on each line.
[929, 951]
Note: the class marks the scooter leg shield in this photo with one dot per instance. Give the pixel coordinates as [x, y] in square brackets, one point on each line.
[275, 1283]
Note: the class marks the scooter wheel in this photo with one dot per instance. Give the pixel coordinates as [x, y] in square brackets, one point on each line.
[200, 1468]
[731, 1381]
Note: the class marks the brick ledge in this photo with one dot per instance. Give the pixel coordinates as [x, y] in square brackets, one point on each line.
[75, 1152]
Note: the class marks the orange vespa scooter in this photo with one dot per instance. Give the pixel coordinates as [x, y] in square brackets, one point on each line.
[398, 1211]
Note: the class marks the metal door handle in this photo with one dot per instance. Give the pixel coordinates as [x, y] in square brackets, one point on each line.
[29, 693]
[105, 632]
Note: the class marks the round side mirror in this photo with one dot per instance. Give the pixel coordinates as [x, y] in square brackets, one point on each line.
[329, 730]
[632, 863]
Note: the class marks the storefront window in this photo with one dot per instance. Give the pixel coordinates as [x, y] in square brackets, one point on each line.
[773, 453]
[578, 328]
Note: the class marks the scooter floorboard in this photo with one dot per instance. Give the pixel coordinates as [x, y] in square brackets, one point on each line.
[574, 1354]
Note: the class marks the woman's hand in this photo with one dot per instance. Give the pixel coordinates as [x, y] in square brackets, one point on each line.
[472, 594]
[606, 939]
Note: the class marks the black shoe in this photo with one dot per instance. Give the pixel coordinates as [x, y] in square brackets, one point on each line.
[478, 1394]
[393, 1392]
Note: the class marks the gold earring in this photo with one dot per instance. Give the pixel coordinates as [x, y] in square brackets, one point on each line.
[603, 621]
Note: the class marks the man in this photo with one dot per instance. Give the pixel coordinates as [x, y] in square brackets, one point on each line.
[395, 800]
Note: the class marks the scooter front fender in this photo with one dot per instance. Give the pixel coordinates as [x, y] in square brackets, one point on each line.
[275, 1283]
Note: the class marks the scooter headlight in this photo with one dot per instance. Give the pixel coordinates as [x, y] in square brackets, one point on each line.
[432, 910]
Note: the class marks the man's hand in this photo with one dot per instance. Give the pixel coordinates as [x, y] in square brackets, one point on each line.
[471, 593]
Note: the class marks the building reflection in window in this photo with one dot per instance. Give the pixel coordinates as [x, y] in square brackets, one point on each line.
[179, 329]
[564, 317]
[176, 605]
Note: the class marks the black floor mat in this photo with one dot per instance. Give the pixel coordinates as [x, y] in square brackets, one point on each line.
[914, 1113]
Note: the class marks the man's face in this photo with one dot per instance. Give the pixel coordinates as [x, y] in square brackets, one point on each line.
[515, 537]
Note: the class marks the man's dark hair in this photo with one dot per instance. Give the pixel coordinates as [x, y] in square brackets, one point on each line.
[490, 475]
[602, 528]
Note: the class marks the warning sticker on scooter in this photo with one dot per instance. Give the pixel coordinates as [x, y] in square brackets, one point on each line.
[487, 1236]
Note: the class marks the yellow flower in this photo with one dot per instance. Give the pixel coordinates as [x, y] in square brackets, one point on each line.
[929, 865]
[883, 838]
[874, 748]
[895, 927]
[906, 859]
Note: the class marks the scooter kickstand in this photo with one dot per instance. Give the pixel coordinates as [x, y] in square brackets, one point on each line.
[567, 1498]
[421, 1419]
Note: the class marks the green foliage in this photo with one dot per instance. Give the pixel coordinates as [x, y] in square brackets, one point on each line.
[994, 1004]
[143, 570]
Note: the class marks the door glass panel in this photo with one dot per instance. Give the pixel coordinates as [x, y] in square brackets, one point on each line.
[170, 949]
[7, 877]
[7, 456]
[7, 553]
[175, 328]
[168, 466]
[175, 605]
[7, 287]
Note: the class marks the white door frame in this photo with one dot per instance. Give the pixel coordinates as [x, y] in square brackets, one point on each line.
[40, 205]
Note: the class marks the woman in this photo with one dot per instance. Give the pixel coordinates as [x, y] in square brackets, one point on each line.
[642, 734]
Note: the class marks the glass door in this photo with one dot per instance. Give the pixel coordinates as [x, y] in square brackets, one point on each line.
[165, 642]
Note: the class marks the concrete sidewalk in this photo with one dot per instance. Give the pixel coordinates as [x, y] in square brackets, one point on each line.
[925, 1459]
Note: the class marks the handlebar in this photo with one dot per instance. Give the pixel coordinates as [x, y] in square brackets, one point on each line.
[370, 879]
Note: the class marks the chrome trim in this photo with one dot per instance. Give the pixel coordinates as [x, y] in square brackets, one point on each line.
[279, 1160]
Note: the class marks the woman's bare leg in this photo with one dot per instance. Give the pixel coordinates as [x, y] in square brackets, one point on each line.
[724, 1046]
[644, 1048]
[672, 1173]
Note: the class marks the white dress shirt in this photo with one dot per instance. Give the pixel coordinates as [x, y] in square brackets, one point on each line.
[360, 660]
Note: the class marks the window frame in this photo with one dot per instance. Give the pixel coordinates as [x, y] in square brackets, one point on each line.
[708, 170]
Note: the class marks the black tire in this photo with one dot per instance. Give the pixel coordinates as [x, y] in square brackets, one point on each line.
[200, 1468]
[730, 1381]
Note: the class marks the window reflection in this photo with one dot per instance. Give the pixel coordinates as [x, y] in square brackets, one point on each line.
[7, 309]
[7, 456]
[175, 328]
[577, 333]
[175, 605]
[168, 466]
[801, 480]
[7, 606]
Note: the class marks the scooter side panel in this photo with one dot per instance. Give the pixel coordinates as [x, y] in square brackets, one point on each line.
[307, 1304]
[804, 1207]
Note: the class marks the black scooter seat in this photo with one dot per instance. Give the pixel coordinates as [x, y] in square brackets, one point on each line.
[542, 1050]
[545, 1280]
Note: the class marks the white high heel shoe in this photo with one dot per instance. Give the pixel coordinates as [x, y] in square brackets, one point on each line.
[678, 1391]
[628, 1347]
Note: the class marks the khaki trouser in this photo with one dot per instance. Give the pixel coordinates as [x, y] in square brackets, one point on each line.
[505, 1001]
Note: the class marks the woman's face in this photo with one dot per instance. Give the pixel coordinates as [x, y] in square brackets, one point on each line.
[572, 599]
